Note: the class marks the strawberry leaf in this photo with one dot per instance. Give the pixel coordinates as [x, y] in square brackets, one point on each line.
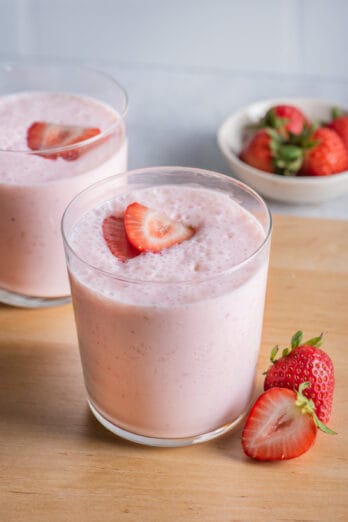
[307, 406]
[290, 152]
[286, 352]
[336, 112]
[272, 120]
[296, 339]
[323, 427]
[274, 135]
[274, 353]
[315, 341]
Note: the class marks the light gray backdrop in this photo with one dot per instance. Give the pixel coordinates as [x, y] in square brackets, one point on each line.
[187, 63]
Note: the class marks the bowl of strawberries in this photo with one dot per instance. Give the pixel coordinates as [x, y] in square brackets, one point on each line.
[293, 150]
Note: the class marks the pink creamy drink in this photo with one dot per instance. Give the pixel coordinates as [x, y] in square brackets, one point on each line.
[169, 341]
[34, 190]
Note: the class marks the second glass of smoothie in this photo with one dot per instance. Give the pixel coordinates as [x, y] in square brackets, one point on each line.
[169, 340]
[42, 170]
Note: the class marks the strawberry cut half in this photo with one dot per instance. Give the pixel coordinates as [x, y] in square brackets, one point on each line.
[115, 237]
[42, 136]
[276, 428]
[151, 231]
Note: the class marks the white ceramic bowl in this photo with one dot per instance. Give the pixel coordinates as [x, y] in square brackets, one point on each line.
[296, 190]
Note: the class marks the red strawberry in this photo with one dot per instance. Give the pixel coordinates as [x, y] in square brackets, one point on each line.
[151, 231]
[285, 119]
[43, 136]
[340, 125]
[258, 152]
[328, 156]
[304, 362]
[269, 152]
[281, 425]
[115, 236]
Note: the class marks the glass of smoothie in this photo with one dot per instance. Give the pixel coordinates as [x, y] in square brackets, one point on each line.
[168, 270]
[61, 129]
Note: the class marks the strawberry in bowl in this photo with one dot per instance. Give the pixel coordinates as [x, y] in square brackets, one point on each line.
[285, 119]
[339, 124]
[279, 149]
[294, 146]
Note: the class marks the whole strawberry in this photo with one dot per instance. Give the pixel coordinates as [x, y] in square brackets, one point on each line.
[327, 156]
[258, 151]
[268, 151]
[340, 125]
[304, 361]
[285, 119]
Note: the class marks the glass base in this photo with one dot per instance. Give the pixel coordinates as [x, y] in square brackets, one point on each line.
[163, 442]
[26, 301]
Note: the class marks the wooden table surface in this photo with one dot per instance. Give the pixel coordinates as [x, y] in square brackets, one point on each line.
[58, 464]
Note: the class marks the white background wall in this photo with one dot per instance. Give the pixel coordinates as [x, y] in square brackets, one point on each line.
[187, 64]
[281, 36]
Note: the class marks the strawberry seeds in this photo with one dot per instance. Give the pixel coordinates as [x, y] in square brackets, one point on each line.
[142, 229]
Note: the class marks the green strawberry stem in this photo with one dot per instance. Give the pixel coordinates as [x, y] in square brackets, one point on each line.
[315, 341]
[288, 152]
[296, 340]
[307, 406]
[336, 112]
[272, 120]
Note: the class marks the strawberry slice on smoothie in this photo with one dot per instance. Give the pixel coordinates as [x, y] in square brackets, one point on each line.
[151, 231]
[115, 237]
[142, 229]
[43, 135]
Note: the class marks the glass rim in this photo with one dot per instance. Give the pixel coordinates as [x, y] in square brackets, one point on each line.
[55, 64]
[164, 170]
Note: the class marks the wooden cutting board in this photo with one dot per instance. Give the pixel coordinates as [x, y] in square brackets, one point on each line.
[58, 464]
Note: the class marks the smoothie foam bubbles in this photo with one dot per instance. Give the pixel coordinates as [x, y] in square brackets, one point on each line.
[225, 236]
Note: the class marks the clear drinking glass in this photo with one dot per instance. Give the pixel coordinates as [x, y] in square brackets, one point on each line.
[35, 188]
[177, 371]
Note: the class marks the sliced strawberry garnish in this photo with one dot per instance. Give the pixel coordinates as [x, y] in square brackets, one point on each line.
[151, 231]
[115, 236]
[42, 135]
[281, 425]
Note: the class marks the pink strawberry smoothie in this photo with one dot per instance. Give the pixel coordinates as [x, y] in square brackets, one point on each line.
[169, 341]
[34, 190]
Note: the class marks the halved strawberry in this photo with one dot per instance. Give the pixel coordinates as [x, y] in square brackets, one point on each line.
[151, 231]
[281, 425]
[42, 135]
[115, 236]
